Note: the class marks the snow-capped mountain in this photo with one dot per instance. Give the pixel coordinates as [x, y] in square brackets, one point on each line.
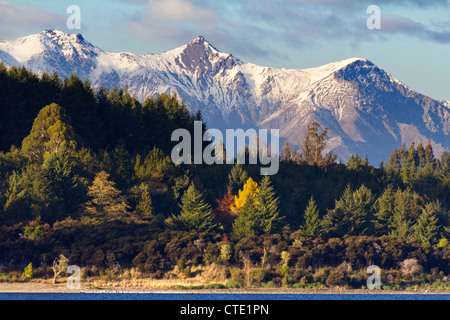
[366, 110]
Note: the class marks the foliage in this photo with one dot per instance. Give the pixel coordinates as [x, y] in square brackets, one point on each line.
[195, 213]
[106, 199]
[87, 173]
[29, 272]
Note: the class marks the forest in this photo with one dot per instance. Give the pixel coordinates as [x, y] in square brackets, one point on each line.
[86, 175]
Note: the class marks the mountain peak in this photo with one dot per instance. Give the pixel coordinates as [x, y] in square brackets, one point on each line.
[199, 38]
[200, 43]
[61, 36]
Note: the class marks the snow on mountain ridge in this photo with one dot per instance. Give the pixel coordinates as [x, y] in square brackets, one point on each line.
[366, 109]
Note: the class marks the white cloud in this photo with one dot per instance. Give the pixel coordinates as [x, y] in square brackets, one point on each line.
[16, 19]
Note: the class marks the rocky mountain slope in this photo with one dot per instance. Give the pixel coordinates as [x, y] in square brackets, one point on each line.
[366, 110]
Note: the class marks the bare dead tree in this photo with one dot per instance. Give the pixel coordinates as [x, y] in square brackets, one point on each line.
[59, 265]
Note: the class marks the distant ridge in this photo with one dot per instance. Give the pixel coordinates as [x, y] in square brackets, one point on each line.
[366, 110]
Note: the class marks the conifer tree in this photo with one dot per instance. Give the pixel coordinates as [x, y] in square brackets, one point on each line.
[429, 154]
[426, 228]
[384, 206]
[394, 162]
[354, 162]
[266, 205]
[256, 208]
[408, 171]
[237, 177]
[195, 213]
[352, 213]
[246, 221]
[421, 155]
[407, 207]
[311, 226]
[66, 184]
[144, 206]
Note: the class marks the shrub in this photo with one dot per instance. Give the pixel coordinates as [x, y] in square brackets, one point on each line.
[257, 276]
[337, 277]
[28, 272]
[237, 276]
[411, 268]
[321, 275]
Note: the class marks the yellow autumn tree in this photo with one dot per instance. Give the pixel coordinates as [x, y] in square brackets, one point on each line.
[248, 193]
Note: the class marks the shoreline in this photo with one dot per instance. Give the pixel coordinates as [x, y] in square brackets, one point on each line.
[32, 287]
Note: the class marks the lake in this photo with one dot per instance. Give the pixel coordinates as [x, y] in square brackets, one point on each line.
[216, 296]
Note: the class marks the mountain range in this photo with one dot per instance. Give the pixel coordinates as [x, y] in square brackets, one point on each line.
[367, 110]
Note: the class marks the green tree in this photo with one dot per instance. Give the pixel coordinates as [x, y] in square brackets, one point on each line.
[66, 184]
[144, 206]
[257, 212]
[51, 130]
[311, 226]
[237, 177]
[352, 214]
[384, 207]
[409, 166]
[354, 162]
[426, 228]
[246, 221]
[195, 213]
[266, 205]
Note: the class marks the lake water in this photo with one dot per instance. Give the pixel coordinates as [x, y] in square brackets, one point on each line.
[216, 296]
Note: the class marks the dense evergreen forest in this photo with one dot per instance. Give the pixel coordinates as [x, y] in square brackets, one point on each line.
[87, 174]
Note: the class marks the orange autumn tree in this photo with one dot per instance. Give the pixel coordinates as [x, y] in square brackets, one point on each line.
[223, 213]
[248, 193]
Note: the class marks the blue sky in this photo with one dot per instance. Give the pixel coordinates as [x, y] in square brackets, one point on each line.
[413, 43]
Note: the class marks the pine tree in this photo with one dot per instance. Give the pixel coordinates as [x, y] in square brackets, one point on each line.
[66, 184]
[144, 206]
[394, 162]
[400, 225]
[354, 162]
[257, 209]
[237, 177]
[429, 154]
[266, 205]
[406, 209]
[426, 228]
[409, 166]
[311, 226]
[106, 200]
[352, 214]
[421, 155]
[195, 213]
[246, 221]
[384, 206]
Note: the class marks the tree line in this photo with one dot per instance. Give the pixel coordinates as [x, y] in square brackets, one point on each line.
[87, 173]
